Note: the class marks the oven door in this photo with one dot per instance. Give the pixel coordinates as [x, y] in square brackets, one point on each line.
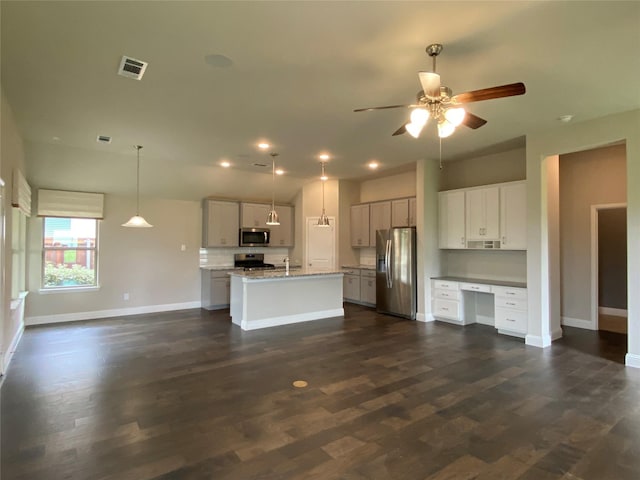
[254, 237]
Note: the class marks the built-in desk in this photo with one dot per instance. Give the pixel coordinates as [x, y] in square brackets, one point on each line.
[491, 302]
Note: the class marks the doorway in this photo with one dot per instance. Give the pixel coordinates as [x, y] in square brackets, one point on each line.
[609, 267]
[321, 245]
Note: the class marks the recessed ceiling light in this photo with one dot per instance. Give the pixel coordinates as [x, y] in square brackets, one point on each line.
[565, 118]
[279, 171]
[225, 164]
[263, 146]
[372, 165]
[55, 139]
[324, 156]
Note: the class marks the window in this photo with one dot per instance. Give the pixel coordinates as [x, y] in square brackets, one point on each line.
[70, 252]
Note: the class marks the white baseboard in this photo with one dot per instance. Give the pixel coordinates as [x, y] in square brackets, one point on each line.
[8, 355]
[632, 360]
[424, 317]
[616, 312]
[289, 319]
[116, 312]
[543, 341]
[578, 323]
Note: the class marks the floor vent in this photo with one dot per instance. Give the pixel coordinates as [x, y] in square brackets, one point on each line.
[103, 139]
[132, 68]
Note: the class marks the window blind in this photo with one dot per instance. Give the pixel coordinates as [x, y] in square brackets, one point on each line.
[21, 194]
[59, 203]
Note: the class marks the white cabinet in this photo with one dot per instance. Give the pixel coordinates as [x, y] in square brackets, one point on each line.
[368, 287]
[513, 216]
[360, 225]
[403, 212]
[446, 301]
[511, 310]
[351, 286]
[483, 213]
[221, 224]
[254, 215]
[379, 219]
[282, 235]
[451, 219]
[215, 289]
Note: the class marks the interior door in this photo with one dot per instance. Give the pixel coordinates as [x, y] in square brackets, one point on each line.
[321, 245]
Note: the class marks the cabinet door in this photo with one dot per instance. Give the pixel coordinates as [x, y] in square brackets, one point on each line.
[254, 215]
[220, 291]
[379, 218]
[400, 213]
[368, 289]
[483, 213]
[351, 284]
[282, 235]
[413, 212]
[221, 224]
[451, 219]
[360, 225]
[513, 216]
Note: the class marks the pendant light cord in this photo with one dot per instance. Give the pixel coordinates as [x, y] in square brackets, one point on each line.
[273, 180]
[440, 138]
[138, 147]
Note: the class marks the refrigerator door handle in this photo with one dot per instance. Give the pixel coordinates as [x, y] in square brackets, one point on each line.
[388, 262]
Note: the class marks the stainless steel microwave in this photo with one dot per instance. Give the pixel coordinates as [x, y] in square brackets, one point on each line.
[254, 237]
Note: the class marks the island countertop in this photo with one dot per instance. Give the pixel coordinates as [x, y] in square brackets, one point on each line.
[276, 274]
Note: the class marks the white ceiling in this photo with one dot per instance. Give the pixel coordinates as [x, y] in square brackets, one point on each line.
[299, 69]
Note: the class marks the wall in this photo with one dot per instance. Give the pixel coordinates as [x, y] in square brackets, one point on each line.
[495, 168]
[146, 263]
[11, 157]
[542, 275]
[587, 178]
[384, 188]
[612, 258]
[349, 194]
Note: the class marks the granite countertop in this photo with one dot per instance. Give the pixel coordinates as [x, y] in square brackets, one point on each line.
[484, 281]
[360, 267]
[276, 274]
[218, 267]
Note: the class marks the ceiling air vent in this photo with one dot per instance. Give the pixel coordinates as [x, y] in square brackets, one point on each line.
[260, 165]
[132, 68]
[103, 139]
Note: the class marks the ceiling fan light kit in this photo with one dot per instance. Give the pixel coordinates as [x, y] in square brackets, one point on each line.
[438, 102]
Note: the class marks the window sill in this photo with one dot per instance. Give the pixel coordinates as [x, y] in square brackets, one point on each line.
[16, 302]
[46, 291]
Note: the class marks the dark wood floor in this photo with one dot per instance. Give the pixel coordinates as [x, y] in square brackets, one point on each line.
[186, 395]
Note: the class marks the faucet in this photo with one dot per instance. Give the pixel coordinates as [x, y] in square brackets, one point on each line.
[286, 264]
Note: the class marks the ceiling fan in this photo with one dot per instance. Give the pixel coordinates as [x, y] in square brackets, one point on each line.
[436, 101]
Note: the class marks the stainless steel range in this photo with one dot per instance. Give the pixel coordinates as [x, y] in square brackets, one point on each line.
[251, 261]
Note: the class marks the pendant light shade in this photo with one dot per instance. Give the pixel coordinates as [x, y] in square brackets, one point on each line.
[272, 218]
[137, 221]
[323, 221]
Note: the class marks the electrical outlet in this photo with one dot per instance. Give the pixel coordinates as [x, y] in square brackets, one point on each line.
[183, 247]
[125, 296]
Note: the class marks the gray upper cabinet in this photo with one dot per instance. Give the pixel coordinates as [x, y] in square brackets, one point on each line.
[282, 235]
[403, 212]
[221, 223]
[360, 225]
[254, 215]
[380, 219]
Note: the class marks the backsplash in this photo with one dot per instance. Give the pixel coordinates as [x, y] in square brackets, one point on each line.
[223, 257]
[368, 256]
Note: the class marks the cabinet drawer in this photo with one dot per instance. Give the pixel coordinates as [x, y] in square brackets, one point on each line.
[367, 273]
[445, 285]
[510, 292]
[446, 308]
[475, 287]
[512, 320]
[514, 303]
[447, 294]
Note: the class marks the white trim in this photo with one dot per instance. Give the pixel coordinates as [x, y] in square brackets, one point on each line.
[8, 355]
[615, 312]
[594, 257]
[538, 341]
[116, 312]
[288, 319]
[632, 360]
[578, 323]
[425, 317]
[48, 291]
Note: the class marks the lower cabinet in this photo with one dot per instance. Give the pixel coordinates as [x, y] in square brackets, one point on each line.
[510, 315]
[215, 289]
[360, 287]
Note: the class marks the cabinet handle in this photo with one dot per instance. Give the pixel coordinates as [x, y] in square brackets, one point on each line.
[509, 319]
[504, 240]
[511, 303]
[462, 240]
[446, 309]
[510, 293]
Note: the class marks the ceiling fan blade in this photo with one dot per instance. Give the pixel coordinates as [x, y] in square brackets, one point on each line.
[399, 131]
[489, 93]
[382, 108]
[473, 121]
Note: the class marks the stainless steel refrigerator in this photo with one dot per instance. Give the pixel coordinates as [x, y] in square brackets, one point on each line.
[396, 290]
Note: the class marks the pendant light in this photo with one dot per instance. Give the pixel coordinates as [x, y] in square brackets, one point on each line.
[323, 221]
[272, 218]
[137, 221]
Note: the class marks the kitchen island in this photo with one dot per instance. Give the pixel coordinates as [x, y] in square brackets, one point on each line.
[269, 298]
